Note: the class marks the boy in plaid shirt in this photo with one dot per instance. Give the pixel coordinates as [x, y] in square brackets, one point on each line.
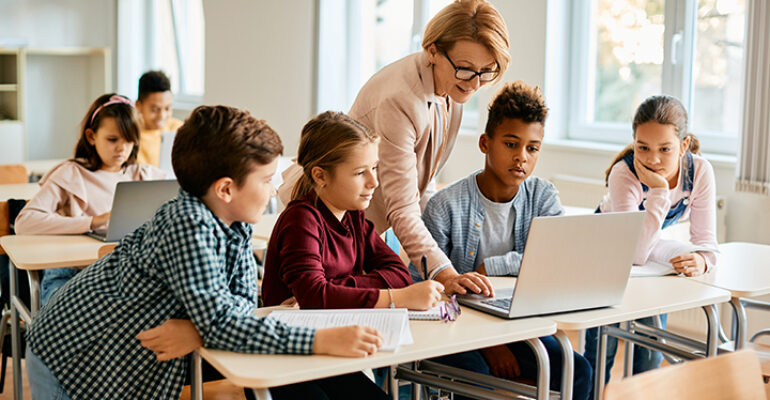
[191, 265]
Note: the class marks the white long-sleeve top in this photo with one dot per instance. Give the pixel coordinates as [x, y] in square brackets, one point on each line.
[71, 195]
[626, 193]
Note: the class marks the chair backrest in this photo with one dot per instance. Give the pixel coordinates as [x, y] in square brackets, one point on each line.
[729, 376]
[13, 174]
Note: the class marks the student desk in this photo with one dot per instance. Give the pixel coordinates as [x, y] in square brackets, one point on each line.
[646, 297]
[743, 269]
[33, 253]
[263, 228]
[23, 191]
[472, 330]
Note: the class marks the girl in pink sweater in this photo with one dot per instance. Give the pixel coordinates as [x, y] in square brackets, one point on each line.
[76, 196]
[662, 174]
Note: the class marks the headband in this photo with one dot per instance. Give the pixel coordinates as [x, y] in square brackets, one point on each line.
[114, 99]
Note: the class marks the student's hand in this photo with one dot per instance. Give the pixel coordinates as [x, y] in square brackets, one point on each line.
[649, 178]
[502, 363]
[171, 339]
[462, 283]
[692, 264]
[420, 296]
[99, 221]
[290, 302]
[347, 341]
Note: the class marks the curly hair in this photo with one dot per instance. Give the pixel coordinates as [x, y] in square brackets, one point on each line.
[516, 100]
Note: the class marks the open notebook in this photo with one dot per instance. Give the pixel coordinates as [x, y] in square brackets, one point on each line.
[658, 264]
[392, 323]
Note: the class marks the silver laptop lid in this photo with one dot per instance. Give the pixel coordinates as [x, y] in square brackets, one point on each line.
[576, 262]
[135, 203]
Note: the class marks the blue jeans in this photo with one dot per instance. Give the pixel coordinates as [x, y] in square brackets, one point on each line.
[42, 383]
[525, 357]
[52, 280]
[644, 358]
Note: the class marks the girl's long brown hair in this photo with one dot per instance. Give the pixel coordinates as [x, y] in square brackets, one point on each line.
[128, 124]
[327, 140]
[665, 110]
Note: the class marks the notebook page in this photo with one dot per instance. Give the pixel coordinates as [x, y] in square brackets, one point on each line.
[432, 314]
[392, 324]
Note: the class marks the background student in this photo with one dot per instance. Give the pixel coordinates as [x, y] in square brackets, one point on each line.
[194, 260]
[415, 104]
[322, 251]
[154, 103]
[662, 174]
[482, 222]
[76, 195]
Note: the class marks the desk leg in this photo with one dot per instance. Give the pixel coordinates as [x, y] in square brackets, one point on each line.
[740, 326]
[601, 354]
[628, 364]
[34, 291]
[196, 377]
[543, 368]
[15, 338]
[262, 394]
[567, 366]
[712, 336]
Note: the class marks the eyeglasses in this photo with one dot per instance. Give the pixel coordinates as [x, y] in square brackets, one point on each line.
[450, 310]
[467, 74]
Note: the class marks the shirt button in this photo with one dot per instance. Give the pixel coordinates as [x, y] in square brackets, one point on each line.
[478, 225]
[471, 253]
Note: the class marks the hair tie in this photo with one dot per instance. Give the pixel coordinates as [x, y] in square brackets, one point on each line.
[114, 99]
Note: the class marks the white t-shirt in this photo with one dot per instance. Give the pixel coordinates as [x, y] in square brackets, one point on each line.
[497, 231]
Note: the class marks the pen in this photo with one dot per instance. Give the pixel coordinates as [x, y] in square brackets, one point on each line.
[425, 266]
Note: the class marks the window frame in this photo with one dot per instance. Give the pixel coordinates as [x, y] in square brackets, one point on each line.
[680, 18]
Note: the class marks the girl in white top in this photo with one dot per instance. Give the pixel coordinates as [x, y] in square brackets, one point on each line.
[661, 174]
[76, 195]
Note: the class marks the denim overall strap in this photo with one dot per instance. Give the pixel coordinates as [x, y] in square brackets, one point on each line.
[678, 209]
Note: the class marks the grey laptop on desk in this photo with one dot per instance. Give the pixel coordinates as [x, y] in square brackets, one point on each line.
[135, 203]
[569, 263]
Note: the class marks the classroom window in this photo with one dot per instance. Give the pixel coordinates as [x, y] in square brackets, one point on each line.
[627, 50]
[178, 47]
[358, 37]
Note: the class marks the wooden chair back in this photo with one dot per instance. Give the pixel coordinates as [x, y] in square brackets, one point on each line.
[728, 376]
[13, 174]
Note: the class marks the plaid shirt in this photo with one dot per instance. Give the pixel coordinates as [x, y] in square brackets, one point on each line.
[184, 263]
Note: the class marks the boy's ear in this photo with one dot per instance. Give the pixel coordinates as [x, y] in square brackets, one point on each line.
[223, 188]
[484, 143]
[90, 136]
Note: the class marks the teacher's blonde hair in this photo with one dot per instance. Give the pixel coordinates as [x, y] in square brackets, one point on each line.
[474, 20]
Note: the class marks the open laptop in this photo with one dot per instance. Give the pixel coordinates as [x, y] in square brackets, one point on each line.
[569, 263]
[135, 203]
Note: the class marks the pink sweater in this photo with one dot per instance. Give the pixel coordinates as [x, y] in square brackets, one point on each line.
[625, 194]
[71, 195]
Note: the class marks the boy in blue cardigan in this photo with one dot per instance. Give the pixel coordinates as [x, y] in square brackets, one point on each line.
[482, 222]
[189, 270]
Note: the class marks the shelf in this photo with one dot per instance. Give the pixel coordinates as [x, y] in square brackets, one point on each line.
[8, 87]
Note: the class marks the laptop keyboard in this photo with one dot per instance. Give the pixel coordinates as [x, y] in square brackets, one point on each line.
[503, 303]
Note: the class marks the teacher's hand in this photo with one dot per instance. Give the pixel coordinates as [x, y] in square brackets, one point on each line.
[463, 283]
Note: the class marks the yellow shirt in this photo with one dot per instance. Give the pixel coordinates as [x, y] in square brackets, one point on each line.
[149, 142]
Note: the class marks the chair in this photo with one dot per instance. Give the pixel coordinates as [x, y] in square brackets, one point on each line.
[13, 174]
[729, 376]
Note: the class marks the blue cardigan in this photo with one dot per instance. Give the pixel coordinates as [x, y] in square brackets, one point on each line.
[454, 216]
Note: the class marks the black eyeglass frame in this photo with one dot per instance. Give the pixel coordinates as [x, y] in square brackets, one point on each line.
[475, 73]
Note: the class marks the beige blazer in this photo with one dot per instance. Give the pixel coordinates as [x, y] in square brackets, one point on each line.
[395, 103]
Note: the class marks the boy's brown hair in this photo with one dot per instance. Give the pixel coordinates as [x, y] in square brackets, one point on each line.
[516, 100]
[220, 141]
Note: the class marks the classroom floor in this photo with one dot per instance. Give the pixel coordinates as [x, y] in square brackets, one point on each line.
[223, 390]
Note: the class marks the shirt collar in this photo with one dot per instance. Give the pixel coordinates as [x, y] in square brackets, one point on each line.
[238, 231]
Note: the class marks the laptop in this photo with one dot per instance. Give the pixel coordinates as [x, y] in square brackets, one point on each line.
[570, 263]
[135, 203]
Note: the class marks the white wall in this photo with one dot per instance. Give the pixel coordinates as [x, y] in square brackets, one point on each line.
[259, 56]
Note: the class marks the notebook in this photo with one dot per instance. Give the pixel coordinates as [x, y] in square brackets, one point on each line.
[391, 323]
[658, 264]
[570, 262]
[432, 314]
[135, 203]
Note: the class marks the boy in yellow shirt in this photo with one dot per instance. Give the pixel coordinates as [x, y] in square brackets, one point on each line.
[154, 105]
